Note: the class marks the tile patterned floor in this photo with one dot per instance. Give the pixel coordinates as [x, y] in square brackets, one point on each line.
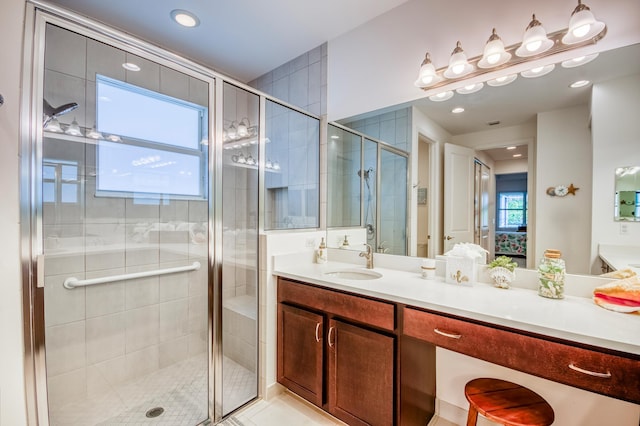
[181, 390]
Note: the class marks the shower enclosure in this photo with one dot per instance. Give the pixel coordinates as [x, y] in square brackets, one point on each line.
[367, 189]
[143, 233]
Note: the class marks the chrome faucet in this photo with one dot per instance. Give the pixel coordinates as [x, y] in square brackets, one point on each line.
[368, 254]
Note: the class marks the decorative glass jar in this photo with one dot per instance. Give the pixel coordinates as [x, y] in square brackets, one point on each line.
[551, 273]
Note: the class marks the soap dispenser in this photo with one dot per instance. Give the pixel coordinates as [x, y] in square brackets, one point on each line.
[321, 253]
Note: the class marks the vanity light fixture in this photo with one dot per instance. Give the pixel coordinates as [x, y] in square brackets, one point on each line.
[579, 83]
[114, 138]
[185, 18]
[580, 60]
[582, 25]
[470, 88]
[442, 96]
[130, 66]
[538, 71]
[534, 41]
[494, 54]
[457, 110]
[73, 129]
[459, 66]
[502, 80]
[584, 30]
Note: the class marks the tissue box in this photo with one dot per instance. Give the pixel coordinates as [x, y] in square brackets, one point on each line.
[460, 270]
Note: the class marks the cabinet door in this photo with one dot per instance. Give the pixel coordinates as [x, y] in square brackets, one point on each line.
[300, 352]
[361, 375]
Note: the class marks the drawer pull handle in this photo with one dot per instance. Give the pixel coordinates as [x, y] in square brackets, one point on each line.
[329, 337]
[317, 329]
[590, 373]
[445, 334]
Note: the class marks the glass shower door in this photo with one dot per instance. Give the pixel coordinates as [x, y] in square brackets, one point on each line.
[124, 209]
[393, 203]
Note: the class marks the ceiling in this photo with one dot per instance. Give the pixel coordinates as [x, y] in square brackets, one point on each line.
[242, 39]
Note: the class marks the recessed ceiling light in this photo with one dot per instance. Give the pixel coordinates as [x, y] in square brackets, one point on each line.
[511, 147]
[130, 66]
[457, 110]
[579, 83]
[335, 137]
[517, 155]
[185, 18]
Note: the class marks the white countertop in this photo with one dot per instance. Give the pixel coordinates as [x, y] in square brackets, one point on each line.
[620, 256]
[573, 318]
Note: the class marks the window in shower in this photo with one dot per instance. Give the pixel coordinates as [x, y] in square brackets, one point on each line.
[153, 143]
[292, 176]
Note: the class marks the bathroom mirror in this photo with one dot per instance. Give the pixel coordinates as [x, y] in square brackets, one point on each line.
[627, 196]
[519, 103]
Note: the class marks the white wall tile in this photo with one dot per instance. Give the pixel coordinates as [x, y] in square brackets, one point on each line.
[198, 91]
[142, 328]
[105, 60]
[65, 51]
[143, 362]
[114, 370]
[174, 319]
[62, 305]
[141, 291]
[174, 286]
[173, 351]
[66, 348]
[66, 388]
[174, 83]
[105, 337]
[103, 299]
[198, 318]
[99, 209]
[149, 75]
[198, 343]
[105, 246]
[62, 88]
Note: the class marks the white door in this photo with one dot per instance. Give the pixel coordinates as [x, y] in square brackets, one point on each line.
[458, 195]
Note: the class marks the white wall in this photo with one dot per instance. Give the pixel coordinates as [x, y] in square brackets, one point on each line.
[564, 158]
[374, 66]
[12, 398]
[616, 143]
[517, 165]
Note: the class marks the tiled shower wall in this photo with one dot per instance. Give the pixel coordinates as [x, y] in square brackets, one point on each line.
[301, 82]
[392, 127]
[104, 335]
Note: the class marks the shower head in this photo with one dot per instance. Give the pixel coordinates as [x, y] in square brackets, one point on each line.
[51, 112]
[366, 172]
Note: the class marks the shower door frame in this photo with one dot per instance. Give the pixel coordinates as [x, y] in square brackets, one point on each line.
[38, 15]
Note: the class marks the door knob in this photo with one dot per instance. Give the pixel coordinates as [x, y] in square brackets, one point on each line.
[448, 237]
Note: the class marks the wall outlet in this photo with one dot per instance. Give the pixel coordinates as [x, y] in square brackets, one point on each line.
[624, 229]
[311, 242]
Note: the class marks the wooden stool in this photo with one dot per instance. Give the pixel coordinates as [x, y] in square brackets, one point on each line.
[506, 403]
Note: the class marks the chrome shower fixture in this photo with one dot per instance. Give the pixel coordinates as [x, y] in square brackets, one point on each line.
[366, 172]
[51, 112]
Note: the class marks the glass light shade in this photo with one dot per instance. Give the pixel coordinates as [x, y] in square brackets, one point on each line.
[458, 64]
[581, 60]
[582, 25]
[94, 134]
[534, 41]
[232, 131]
[538, 71]
[427, 75]
[494, 54]
[73, 129]
[114, 138]
[243, 131]
[53, 126]
[442, 96]
[579, 83]
[502, 81]
[241, 159]
[470, 88]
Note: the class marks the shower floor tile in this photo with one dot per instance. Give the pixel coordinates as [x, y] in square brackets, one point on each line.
[181, 390]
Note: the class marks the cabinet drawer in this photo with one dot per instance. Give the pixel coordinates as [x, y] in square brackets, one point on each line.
[366, 311]
[603, 373]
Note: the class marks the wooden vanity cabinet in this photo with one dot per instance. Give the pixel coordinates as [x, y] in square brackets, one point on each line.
[338, 351]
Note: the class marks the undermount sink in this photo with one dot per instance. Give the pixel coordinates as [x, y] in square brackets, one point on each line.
[355, 274]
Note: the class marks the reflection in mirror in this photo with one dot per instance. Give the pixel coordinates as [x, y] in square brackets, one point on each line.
[343, 162]
[393, 206]
[627, 198]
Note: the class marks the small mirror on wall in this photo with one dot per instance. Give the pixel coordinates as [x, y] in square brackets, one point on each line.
[627, 196]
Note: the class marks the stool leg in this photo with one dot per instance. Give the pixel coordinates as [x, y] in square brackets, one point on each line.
[472, 418]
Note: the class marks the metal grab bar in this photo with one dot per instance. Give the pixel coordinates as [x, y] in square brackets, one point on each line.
[71, 283]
